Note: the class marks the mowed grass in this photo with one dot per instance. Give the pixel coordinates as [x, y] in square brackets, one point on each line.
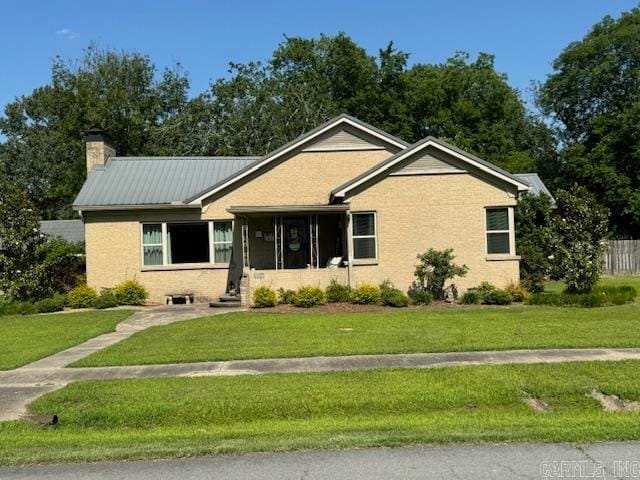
[24, 339]
[165, 417]
[557, 287]
[255, 335]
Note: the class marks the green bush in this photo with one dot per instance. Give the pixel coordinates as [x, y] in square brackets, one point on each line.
[286, 297]
[307, 297]
[366, 294]
[391, 296]
[419, 295]
[338, 293]
[130, 292]
[435, 268]
[107, 299]
[55, 303]
[497, 297]
[17, 308]
[484, 289]
[82, 296]
[264, 297]
[517, 291]
[471, 297]
[598, 297]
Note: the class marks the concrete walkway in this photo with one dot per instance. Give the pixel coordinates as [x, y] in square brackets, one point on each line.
[21, 386]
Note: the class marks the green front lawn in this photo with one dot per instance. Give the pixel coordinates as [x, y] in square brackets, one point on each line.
[558, 287]
[164, 417]
[267, 335]
[25, 339]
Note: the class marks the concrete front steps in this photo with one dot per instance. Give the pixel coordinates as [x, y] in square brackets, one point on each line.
[226, 301]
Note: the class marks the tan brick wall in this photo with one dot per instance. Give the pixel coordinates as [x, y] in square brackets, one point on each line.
[114, 255]
[293, 279]
[306, 178]
[415, 213]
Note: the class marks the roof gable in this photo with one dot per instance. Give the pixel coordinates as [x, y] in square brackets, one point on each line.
[426, 154]
[340, 133]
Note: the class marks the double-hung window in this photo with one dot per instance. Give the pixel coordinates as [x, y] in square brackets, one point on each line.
[499, 231]
[222, 241]
[152, 246]
[364, 236]
[176, 243]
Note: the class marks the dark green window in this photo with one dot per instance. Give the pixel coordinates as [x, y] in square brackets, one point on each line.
[364, 235]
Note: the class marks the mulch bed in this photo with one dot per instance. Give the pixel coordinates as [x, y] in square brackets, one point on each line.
[348, 308]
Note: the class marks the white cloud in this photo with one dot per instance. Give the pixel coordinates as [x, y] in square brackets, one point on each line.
[67, 34]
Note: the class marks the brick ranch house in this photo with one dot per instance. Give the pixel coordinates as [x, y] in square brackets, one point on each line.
[344, 201]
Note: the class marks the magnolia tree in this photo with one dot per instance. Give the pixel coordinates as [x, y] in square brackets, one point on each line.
[577, 241]
[21, 243]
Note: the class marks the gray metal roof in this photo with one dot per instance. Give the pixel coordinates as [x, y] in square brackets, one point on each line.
[70, 230]
[536, 185]
[154, 180]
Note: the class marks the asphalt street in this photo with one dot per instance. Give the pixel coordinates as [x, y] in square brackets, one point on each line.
[530, 461]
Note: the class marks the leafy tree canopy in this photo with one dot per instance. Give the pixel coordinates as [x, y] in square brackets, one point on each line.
[44, 150]
[258, 107]
[593, 95]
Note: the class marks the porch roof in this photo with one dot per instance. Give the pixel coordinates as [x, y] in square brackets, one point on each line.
[288, 208]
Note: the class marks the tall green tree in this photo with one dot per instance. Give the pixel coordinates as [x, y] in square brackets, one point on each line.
[306, 81]
[593, 95]
[121, 92]
[21, 274]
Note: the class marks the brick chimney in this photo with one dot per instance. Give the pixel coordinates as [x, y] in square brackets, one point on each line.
[99, 148]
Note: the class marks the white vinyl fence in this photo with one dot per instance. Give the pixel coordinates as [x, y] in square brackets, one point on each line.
[622, 257]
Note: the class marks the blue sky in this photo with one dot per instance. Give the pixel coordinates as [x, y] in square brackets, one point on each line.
[204, 36]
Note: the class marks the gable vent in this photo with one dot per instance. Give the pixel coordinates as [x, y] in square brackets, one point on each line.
[344, 139]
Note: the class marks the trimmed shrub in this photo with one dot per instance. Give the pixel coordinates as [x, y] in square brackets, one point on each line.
[264, 297]
[598, 297]
[391, 296]
[130, 292]
[471, 297]
[82, 296]
[107, 299]
[309, 296]
[286, 297]
[366, 294]
[338, 293]
[497, 297]
[52, 304]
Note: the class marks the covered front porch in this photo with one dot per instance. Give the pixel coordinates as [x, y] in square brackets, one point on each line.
[290, 246]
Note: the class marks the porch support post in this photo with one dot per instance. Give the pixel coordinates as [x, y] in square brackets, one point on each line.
[350, 278]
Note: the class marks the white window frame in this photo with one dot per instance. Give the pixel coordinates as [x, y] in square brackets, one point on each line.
[355, 237]
[177, 266]
[162, 244]
[213, 243]
[510, 231]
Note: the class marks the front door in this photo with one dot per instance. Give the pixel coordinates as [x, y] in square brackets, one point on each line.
[296, 242]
